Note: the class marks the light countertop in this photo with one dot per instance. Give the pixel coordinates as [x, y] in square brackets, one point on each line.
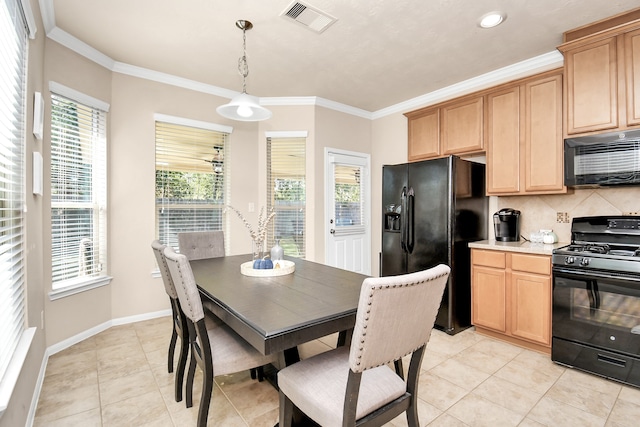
[520, 246]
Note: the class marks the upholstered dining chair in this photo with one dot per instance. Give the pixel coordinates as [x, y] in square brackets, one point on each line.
[207, 244]
[355, 386]
[201, 244]
[215, 347]
[179, 321]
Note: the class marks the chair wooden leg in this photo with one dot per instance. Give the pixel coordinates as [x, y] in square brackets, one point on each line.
[260, 370]
[205, 400]
[286, 411]
[182, 364]
[412, 414]
[190, 376]
[172, 349]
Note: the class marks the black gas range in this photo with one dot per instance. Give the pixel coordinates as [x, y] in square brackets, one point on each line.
[596, 298]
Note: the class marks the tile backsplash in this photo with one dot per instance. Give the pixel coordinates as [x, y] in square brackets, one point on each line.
[544, 212]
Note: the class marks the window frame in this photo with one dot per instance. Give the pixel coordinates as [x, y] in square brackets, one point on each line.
[99, 207]
[198, 127]
[299, 137]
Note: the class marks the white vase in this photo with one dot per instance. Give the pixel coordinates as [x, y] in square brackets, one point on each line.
[277, 253]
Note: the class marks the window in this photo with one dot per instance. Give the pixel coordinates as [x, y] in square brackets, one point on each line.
[78, 189]
[13, 57]
[286, 195]
[349, 205]
[191, 184]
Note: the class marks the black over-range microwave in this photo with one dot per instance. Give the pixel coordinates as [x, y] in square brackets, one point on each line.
[602, 160]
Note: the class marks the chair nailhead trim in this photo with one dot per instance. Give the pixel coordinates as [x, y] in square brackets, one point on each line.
[369, 303]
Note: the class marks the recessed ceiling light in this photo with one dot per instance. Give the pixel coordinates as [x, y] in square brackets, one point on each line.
[491, 19]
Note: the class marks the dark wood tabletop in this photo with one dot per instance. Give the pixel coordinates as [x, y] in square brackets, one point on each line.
[279, 313]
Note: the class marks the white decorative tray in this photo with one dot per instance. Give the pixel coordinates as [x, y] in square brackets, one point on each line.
[286, 267]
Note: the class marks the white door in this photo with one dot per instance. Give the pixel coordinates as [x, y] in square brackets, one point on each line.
[348, 210]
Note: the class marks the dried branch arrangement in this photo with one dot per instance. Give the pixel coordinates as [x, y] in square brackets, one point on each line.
[260, 234]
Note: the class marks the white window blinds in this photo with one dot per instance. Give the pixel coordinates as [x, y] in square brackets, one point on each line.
[191, 187]
[13, 54]
[286, 181]
[78, 192]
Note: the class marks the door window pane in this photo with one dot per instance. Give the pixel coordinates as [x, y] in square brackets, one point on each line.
[348, 195]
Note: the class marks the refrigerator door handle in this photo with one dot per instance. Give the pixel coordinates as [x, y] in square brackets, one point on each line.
[403, 219]
[410, 220]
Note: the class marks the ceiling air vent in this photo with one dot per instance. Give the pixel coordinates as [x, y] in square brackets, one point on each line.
[308, 16]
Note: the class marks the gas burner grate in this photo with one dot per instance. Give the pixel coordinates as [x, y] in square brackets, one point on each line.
[594, 249]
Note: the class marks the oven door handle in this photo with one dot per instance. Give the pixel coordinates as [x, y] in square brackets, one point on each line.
[582, 274]
[624, 283]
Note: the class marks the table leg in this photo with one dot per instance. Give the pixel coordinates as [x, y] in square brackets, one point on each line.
[344, 337]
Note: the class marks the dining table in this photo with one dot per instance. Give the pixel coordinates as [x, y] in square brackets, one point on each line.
[278, 313]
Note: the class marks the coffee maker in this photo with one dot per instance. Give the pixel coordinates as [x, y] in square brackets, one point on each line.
[506, 223]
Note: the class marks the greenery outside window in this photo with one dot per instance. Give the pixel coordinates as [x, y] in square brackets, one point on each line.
[286, 193]
[191, 177]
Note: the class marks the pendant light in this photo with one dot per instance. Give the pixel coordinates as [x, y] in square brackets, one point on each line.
[244, 107]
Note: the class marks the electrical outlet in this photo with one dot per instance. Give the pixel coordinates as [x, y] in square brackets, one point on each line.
[563, 217]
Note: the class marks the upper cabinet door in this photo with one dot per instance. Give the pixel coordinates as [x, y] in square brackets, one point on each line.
[592, 91]
[543, 145]
[504, 128]
[424, 134]
[632, 65]
[462, 126]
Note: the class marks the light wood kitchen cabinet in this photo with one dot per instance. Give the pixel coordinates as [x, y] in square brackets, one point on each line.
[591, 72]
[462, 126]
[504, 135]
[511, 297]
[524, 137]
[602, 77]
[454, 127]
[632, 59]
[424, 134]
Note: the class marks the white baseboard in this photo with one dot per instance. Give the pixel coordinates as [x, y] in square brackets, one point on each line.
[62, 345]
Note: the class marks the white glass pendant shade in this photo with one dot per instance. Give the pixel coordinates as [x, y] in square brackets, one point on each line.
[244, 107]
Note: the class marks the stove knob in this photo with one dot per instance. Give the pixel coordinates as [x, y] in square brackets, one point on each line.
[568, 260]
[584, 261]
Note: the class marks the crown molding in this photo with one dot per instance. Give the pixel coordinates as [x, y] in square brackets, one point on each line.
[157, 76]
[80, 47]
[535, 65]
[48, 15]
[315, 101]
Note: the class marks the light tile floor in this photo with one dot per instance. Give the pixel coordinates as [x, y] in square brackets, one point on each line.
[119, 378]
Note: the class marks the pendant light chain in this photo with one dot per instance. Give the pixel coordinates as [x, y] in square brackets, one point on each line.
[243, 66]
[244, 107]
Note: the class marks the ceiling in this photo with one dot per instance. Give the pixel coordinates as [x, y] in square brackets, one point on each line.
[377, 54]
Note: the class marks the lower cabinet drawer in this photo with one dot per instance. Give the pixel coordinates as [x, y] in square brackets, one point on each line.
[531, 263]
[488, 258]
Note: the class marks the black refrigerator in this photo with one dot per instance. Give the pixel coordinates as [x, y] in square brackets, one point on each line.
[431, 211]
